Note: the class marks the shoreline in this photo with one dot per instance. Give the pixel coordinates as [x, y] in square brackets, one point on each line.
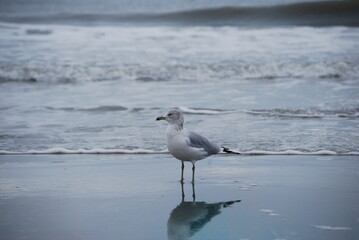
[98, 151]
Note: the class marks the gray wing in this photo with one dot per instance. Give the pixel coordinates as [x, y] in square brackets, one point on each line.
[198, 141]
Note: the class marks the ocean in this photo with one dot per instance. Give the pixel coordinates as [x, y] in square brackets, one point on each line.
[259, 77]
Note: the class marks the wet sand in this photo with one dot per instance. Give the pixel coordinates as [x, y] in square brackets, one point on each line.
[134, 196]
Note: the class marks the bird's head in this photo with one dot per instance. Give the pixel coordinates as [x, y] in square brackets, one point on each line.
[173, 116]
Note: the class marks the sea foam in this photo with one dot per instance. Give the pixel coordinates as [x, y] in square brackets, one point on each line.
[84, 151]
[278, 112]
[332, 228]
[150, 151]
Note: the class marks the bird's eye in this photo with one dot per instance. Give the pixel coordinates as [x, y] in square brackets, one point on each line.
[170, 114]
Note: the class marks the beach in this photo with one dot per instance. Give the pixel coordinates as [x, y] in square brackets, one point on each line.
[82, 84]
[138, 196]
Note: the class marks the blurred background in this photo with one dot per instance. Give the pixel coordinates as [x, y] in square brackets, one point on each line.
[257, 76]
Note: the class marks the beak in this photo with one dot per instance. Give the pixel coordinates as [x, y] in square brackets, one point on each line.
[160, 118]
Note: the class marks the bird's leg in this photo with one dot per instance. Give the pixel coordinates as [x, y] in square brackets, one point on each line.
[193, 193]
[183, 196]
[182, 167]
[193, 170]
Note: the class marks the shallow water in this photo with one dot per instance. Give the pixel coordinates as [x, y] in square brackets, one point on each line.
[66, 87]
[132, 196]
[272, 89]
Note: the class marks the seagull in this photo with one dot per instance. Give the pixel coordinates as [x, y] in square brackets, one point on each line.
[185, 145]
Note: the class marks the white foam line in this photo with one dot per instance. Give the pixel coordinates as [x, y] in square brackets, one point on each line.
[268, 113]
[351, 153]
[290, 152]
[148, 151]
[274, 114]
[85, 151]
[204, 111]
[332, 228]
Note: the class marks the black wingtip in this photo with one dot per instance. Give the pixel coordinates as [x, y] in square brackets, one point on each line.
[226, 150]
[229, 203]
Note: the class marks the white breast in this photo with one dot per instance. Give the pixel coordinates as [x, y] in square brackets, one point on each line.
[178, 145]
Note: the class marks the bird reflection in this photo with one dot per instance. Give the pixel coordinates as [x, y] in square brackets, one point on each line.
[189, 217]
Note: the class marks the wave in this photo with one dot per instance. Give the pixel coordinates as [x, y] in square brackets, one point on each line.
[59, 74]
[100, 109]
[38, 31]
[323, 13]
[204, 111]
[148, 151]
[282, 113]
[305, 113]
[279, 112]
[311, 113]
[205, 72]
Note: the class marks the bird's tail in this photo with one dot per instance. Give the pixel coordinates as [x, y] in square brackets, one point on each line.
[226, 150]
